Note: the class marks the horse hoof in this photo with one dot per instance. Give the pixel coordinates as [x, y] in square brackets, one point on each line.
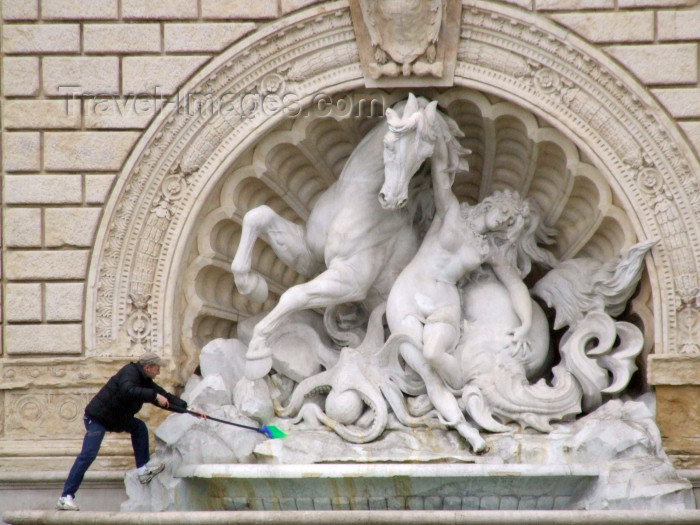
[481, 449]
[257, 368]
[252, 285]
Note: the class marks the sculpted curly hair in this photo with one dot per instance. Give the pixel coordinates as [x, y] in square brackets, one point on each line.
[518, 241]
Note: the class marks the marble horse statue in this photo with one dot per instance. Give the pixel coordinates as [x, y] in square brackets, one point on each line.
[360, 233]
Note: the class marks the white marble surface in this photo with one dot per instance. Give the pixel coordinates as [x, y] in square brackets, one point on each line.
[610, 459]
[384, 470]
[443, 372]
[467, 347]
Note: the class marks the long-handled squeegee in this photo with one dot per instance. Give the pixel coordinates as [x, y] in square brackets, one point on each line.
[270, 431]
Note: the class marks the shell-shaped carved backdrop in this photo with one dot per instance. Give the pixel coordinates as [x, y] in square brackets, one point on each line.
[293, 164]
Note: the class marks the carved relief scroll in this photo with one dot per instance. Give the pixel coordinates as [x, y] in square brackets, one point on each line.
[44, 413]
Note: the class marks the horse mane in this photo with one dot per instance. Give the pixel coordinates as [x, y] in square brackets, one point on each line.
[518, 244]
[421, 203]
[456, 153]
[426, 127]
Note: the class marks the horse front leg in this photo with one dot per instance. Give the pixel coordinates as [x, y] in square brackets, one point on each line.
[339, 284]
[288, 240]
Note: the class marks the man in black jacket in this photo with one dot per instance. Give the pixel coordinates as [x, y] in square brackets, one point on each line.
[112, 410]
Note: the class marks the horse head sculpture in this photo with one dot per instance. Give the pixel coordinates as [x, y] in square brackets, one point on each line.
[420, 133]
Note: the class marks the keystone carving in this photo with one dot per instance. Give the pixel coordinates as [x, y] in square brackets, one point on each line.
[410, 43]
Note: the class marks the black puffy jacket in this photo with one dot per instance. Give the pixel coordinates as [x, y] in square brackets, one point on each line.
[124, 395]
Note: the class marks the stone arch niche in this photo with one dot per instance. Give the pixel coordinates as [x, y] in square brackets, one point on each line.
[543, 112]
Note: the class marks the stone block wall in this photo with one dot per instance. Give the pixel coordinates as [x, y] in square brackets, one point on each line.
[81, 79]
[657, 41]
[79, 82]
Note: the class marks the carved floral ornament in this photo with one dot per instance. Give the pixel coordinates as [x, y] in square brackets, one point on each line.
[528, 72]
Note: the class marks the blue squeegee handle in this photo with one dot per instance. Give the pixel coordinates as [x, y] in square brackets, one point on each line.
[182, 410]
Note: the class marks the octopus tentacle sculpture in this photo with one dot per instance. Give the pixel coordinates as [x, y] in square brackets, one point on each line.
[367, 376]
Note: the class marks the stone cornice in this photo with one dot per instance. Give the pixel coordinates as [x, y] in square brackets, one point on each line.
[23, 374]
[673, 370]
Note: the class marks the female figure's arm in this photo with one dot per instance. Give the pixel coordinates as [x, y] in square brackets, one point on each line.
[520, 297]
[442, 181]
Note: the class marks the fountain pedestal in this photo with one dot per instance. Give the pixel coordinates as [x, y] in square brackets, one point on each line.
[609, 459]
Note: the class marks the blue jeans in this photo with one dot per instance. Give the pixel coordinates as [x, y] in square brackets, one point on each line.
[91, 446]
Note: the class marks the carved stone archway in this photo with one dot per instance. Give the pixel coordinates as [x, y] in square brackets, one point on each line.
[601, 152]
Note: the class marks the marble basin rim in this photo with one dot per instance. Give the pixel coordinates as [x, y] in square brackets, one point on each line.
[382, 470]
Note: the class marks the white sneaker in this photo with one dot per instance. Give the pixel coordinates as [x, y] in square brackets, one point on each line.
[66, 503]
[151, 472]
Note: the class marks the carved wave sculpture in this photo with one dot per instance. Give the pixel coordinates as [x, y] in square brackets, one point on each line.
[586, 294]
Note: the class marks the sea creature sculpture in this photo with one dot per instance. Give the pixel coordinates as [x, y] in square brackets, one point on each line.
[360, 388]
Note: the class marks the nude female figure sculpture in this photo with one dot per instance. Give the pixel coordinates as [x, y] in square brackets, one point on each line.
[424, 302]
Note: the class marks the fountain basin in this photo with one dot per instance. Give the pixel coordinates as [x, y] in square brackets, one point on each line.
[391, 486]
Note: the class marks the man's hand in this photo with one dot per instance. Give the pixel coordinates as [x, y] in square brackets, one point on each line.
[162, 401]
[198, 413]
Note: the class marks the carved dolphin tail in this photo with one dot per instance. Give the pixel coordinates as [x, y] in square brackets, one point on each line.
[588, 353]
[585, 294]
[515, 399]
[578, 286]
[617, 279]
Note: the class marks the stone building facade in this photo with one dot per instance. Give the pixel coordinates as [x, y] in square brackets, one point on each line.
[122, 190]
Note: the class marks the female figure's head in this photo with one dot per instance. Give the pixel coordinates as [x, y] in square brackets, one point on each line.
[512, 227]
[504, 214]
